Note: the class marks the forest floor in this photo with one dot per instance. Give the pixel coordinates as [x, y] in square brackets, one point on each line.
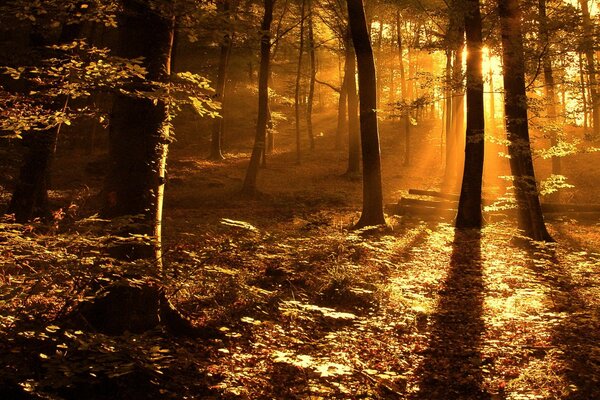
[296, 305]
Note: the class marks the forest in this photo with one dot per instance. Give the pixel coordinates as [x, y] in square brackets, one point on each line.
[299, 199]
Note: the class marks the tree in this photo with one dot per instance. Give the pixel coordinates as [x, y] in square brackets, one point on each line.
[549, 89]
[469, 205]
[372, 212]
[139, 127]
[353, 118]
[298, 81]
[342, 120]
[531, 219]
[225, 51]
[588, 50]
[312, 75]
[249, 187]
[30, 197]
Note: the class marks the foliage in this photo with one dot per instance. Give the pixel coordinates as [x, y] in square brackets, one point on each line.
[79, 70]
[56, 12]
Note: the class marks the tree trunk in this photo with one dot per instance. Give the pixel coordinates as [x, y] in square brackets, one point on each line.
[469, 205]
[342, 120]
[588, 47]
[401, 57]
[549, 89]
[218, 123]
[249, 187]
[448, 106]
[353, 119]
[531, 219]
[297, 89]
[583, 94]
[458, 115]
[313, 76]
[139, 130]
[30, 197]
[372, 212]
[380, 66]
[406, 97]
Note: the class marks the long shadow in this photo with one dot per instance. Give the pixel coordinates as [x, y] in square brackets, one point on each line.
[451, 369]
[578, 335]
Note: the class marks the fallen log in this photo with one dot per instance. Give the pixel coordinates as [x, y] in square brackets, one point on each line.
[407, 201]
[426, 212]
[546, 207]
[432, 193]
[560, 207]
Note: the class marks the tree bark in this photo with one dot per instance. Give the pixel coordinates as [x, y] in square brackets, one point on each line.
[313, 76]
[30, 197]
[401, 57]
[406, 96]
[342, 120]
[458, 112]
[372, 212]
[353, 119]
[379, 59]
[531, 219]
[583, 94]
[588, 48]
[469, 206]
[216, 152]
[448, 106]
[139, 130]
[249, 186]
[549, 89]
[297, 89]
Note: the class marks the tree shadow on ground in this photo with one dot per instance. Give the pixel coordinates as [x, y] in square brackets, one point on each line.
[451, 368]
[577, 336]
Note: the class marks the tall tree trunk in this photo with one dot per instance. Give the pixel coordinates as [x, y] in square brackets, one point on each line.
[406, 96]
[549, 89]
[469, 205]
[249, 187]
[458, 115]
[372, 212]
[401, 56]
[588, 47]
[379, 59]
[313, 76]
[225, 51]
[353, 119]
[531, 219]
[30, 197]
[139, 129]
[297, 89]
[342, 120]
[583, 94]
[448, 106]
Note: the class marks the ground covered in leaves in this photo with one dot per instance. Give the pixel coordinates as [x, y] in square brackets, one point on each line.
[296, 305]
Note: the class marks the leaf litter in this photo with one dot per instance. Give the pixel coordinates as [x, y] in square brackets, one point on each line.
[418, 312]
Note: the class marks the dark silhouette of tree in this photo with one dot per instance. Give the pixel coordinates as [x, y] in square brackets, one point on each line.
[531, 219]
[549, 86]
[588, 50]
[30, 197]
[372, 212]
[139, 127]
[342, 118]
[469, 205]
[249, 187]
[353, 118]
[298, 81]
[312, 74]
[216, 152]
